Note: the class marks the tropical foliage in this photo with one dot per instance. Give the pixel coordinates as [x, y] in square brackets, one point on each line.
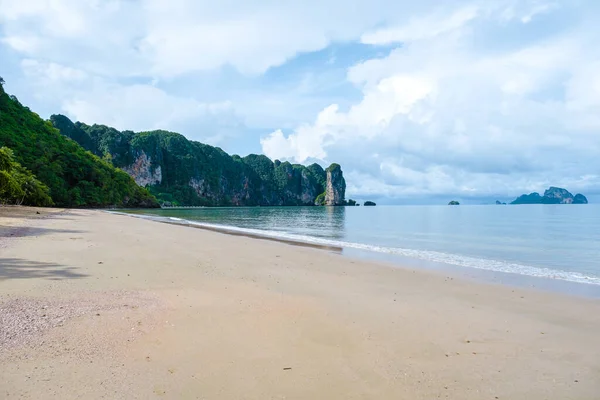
[73, 176]
[18, 185]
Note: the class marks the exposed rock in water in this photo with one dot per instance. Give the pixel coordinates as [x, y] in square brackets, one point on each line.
[335, 187]
[552, 195]
[183, 172]
[369, 203]
[454, 203]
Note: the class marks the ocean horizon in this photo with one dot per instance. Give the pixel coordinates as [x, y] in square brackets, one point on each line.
[554, 242]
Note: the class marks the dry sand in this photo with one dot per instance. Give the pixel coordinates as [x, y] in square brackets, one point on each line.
[94, 305]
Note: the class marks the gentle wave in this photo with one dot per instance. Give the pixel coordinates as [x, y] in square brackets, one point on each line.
[426, 255]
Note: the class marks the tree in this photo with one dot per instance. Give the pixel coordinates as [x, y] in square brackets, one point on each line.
[2, 81]
[18, 185]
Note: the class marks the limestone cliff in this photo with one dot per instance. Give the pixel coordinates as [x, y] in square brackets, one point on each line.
[183, 172]
[335, 187]
[552, 195]
[142, 171]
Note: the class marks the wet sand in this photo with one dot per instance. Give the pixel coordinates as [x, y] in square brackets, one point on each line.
[95, 305]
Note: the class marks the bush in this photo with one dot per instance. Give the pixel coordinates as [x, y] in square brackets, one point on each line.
[18, 185]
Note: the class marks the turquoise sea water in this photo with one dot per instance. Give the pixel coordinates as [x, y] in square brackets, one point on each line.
[560, 242]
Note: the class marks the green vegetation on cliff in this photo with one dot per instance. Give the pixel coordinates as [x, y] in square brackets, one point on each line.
[320, 200]
[73, 176]
[18, 185]
[553, 195]
[183, 172]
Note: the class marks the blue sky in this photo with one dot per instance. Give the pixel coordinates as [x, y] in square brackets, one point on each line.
[418, 101]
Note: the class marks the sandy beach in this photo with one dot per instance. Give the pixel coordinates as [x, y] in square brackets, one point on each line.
[95, 305]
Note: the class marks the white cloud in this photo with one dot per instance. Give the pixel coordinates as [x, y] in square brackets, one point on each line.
[51, 72]
[155, 37]
[128, 107]
[428, 26]
[138, 107]
[470, 122]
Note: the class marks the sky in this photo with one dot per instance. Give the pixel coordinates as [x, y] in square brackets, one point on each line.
[420, 102]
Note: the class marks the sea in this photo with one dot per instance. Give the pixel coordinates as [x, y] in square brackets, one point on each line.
[554, 247]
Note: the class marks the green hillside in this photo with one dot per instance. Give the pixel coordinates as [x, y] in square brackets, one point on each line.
[183, 172]
[74, 176]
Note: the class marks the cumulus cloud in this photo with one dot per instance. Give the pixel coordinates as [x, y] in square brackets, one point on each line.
[181, 36]
[446, 117]
[92, 99]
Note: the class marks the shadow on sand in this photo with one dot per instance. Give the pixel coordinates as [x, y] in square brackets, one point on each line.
[15, 268]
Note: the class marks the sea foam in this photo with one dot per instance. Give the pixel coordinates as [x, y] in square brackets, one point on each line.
[425, 255]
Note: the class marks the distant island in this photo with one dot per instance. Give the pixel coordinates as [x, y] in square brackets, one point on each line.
[454, 203]
[552, 195]
[498, 202]
[369, 203]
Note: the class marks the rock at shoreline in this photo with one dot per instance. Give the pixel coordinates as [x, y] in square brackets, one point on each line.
[335, 186]
[553, 195]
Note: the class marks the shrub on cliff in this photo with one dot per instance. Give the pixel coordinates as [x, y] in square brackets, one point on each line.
[18, 185]
[320, 200]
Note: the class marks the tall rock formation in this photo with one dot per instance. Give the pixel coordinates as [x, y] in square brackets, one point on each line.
[183, 172]
[335, 186]
[553, 195]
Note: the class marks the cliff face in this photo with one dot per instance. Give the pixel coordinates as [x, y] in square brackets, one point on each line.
[558, 195]
[552, 195]
[142, 172]
[335, 189]
[179, 171]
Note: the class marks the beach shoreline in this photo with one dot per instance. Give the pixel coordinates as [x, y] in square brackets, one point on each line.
[135, 309]
[478, 275]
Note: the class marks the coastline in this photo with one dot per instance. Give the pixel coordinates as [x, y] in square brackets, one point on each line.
[160, 310]
[567, 286]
